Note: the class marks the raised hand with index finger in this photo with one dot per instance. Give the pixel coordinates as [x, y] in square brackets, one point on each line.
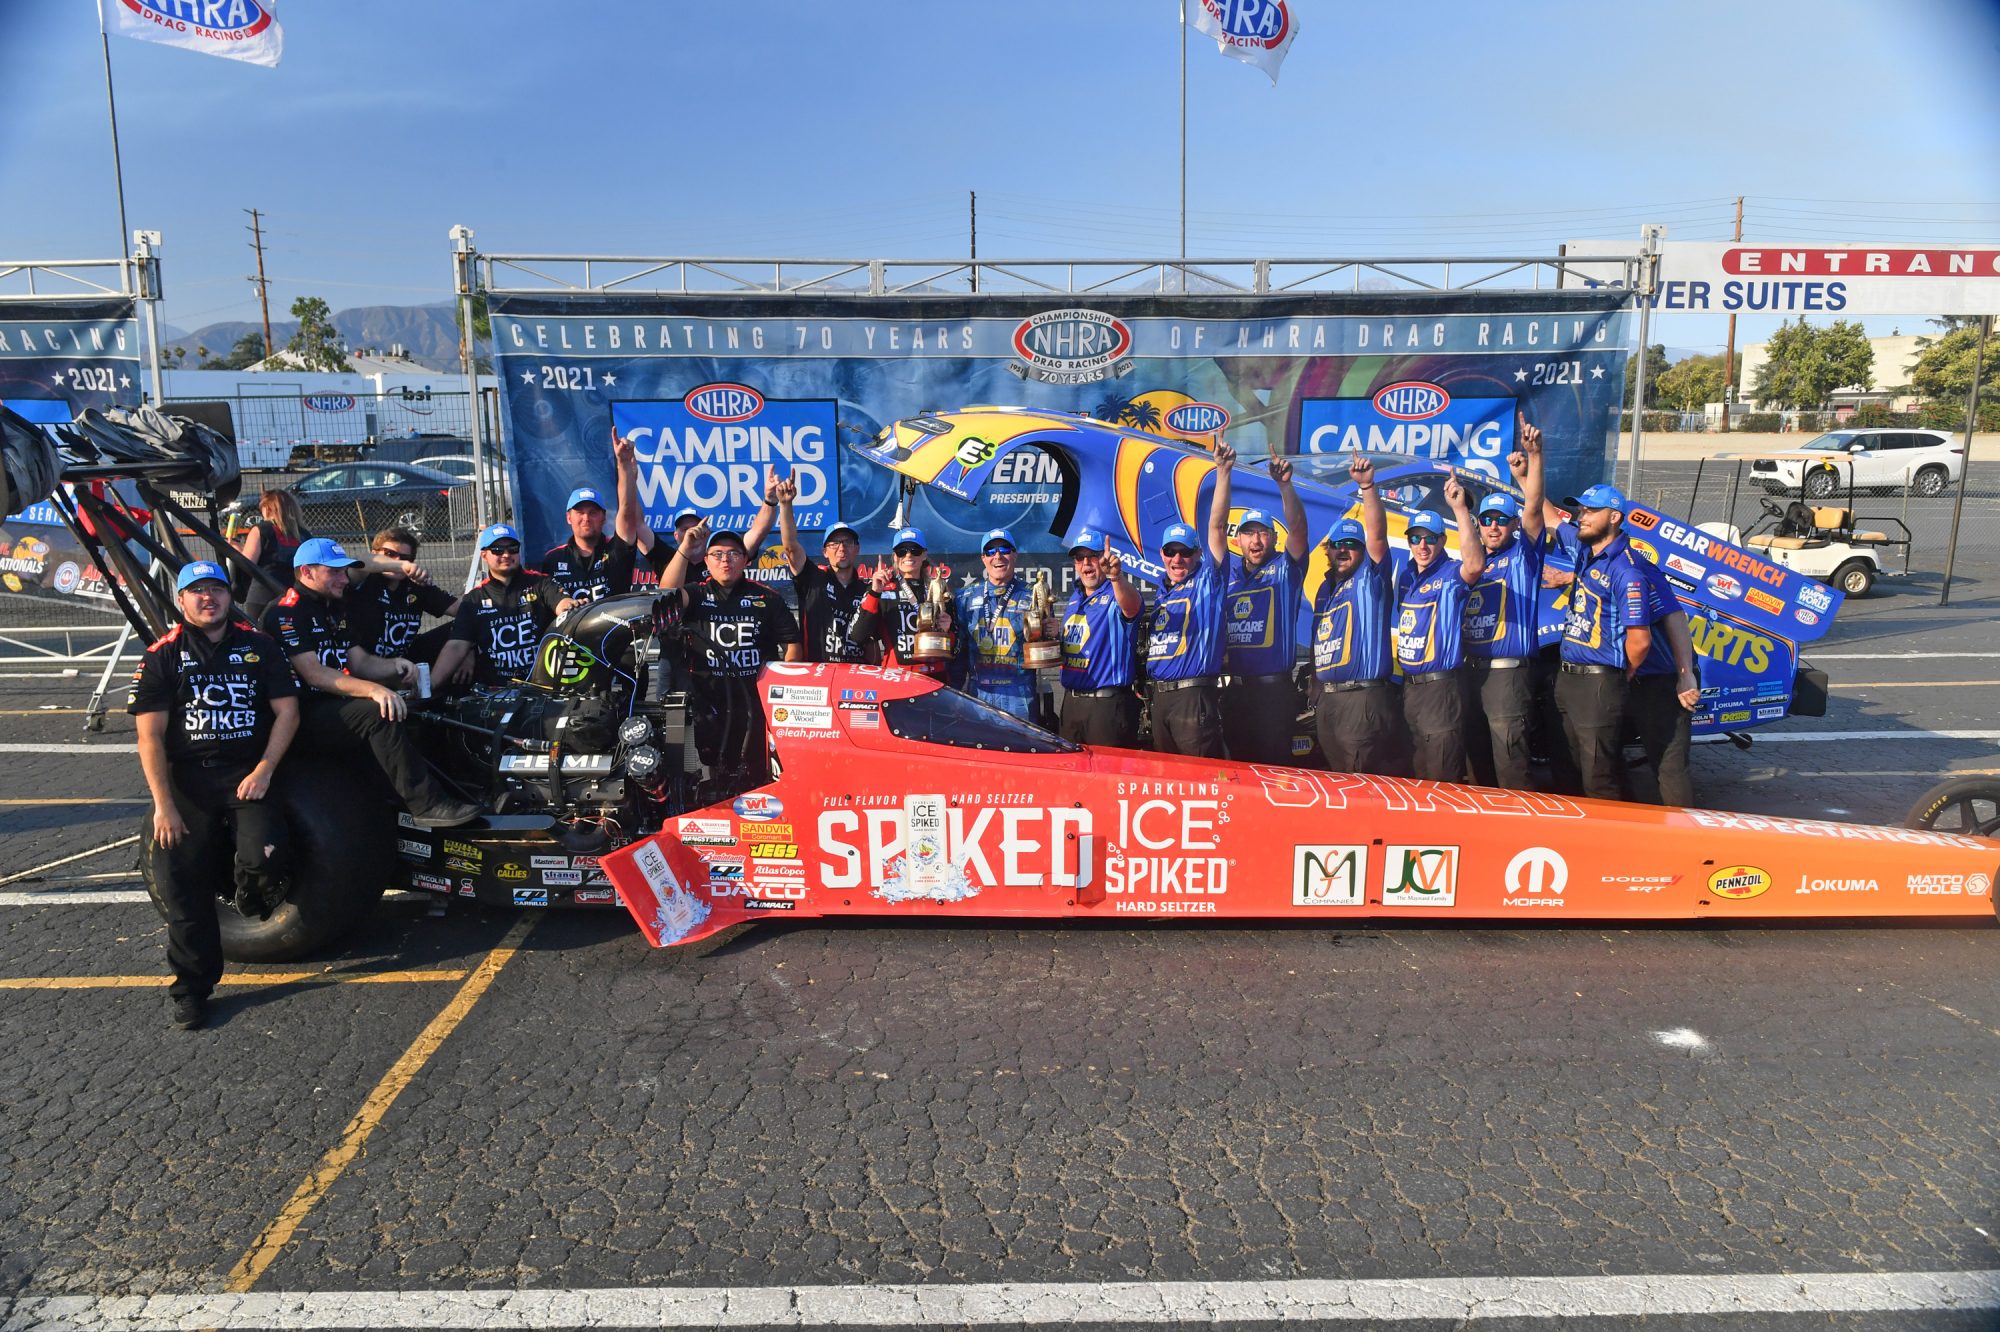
[1110, 561]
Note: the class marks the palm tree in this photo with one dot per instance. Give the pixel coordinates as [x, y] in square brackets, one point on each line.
[1112, 409]
[1140, 415]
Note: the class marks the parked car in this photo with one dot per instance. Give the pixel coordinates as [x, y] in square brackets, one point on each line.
[355, 500]
[1927, 461]
[412, 449]
[460, 465]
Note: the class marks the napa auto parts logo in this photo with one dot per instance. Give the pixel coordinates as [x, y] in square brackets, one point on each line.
[1072, 347]
[1265, 23]
[211, 18]
[1415, 417]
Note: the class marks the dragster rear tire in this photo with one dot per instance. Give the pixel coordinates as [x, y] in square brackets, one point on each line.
[343, 838]
[1967, 805]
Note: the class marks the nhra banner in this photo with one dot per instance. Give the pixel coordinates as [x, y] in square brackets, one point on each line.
[715, 388]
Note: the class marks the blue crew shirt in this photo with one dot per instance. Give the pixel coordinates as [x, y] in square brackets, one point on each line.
[993, 633]
[1187, 636]
[1351, 623]
[1430, 617]
[1099, 640]
[1661, 602]
[1263, 614]
[1608, 597]
[1500, 613]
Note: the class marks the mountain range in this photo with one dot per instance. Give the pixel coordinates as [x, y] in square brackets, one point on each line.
[428, 334]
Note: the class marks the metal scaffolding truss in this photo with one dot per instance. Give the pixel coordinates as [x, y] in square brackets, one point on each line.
[612, 274]
[68, 279]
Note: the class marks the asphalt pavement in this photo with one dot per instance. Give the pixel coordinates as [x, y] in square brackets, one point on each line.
[451, 1122]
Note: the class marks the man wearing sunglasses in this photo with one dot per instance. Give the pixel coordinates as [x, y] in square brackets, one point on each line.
[1357, 717]
[1500, 628]
[1260, 703]
[889, 608]
[500, 620]
[994, 616]
[386, 609]
[1184, 652]
[828, 594]
[1431, 593]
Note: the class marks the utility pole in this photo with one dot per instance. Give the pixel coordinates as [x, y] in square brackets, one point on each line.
[256, 229]
[973, 197]
[1729, 352]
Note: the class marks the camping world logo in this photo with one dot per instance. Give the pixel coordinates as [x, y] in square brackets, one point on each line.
[1071, 347]
[1424, 876]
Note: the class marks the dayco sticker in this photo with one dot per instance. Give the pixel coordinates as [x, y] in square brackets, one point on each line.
[1739, 881]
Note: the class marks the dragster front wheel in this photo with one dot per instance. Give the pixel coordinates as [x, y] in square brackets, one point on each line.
[1967, 805]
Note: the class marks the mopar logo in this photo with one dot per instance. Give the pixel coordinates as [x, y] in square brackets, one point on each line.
[231, 18]
[1411, 400]
[329, 402]
[725, 402]
[1197, 418]
[1072, 338]
[1262, 21]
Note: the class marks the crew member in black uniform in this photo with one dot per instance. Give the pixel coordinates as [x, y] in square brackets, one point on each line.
[386, 609]
[216, 708]
[632, 527]
[888, 613]
[499, 622]
[342, 709]
[735, 626]
[589, 565]
[828, 594]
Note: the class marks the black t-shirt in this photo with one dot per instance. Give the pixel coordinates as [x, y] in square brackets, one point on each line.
[218, 695]
[304, 622]
[826, 610]
[504, 623]
[588, 577]
[383, 617]
[736, 630]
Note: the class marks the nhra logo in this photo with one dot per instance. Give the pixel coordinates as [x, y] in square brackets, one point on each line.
[1071, 346]
[1411, 400]
[328, 402]
[724, 402]
[1252, 22]
[1804, 616]
[235, 18]
[1198, 418]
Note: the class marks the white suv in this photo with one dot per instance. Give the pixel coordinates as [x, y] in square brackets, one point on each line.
[1927, 461]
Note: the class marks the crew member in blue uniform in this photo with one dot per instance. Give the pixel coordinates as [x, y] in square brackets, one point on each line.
[590, 564]
[992, 616]
[1664, 692]
[1100, 637]
[1606, 637]
[1357, 717]
[1185, 649]
[216, 708]
[1260, 704]
[1431, 593]
[500, 621]
[1500, 623]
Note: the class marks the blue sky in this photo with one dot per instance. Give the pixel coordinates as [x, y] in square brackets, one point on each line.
[817, 129]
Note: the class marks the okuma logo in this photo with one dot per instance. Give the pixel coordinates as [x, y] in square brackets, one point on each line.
[1071, 346]
[1262, 22]
[238, 18]
[1198, 418]
[1411, 400]
[724, 402]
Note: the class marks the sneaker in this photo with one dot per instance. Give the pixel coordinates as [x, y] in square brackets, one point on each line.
[447, 814]
[190, 1013]
[258, 903]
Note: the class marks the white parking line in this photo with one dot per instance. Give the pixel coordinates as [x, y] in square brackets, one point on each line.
[1462, 1300]
[1891, 656]
[67, 897]
[69, 749]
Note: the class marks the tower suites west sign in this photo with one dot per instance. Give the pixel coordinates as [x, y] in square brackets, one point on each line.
[1783, 278]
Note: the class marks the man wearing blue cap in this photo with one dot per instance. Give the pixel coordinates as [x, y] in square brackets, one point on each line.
[500, 620]
[633, 529]
[828, 595]
[1358, 718]
[589, 565]
[1431, 592]
[348, 703]
[992, 616]
[1260, 704]
[216, 709]
[1500, 623]
[890, 607]
[1184, 652]
[1606, 638]
[1100, 638]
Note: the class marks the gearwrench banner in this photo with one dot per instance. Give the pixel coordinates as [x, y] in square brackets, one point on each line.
[712, 389]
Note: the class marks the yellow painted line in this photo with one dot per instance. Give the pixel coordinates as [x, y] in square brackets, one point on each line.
[237, 978]
[1910, 684]
[264, 1250]
[76, 800]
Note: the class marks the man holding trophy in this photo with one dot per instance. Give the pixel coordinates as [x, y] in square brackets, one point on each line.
[1009, 632]
[908, 610]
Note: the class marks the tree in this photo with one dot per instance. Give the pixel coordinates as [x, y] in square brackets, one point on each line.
[1692, 384]
[249, 350]
[316, 346]
[1656, 365]
[1943, 371]
[1803, 365]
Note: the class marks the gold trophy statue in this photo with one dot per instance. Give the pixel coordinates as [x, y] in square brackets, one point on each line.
[933, 642]
[1042, 647]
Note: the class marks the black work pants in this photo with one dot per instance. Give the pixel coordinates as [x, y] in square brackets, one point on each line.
[1188, 721]
[1104, 719]
[1258, 718]
[1593, 718]
[1360, 730]
[338, 724]
[1434, 710]
[194, 871]
[1502, 704]
[729, 735]
[1654, 705]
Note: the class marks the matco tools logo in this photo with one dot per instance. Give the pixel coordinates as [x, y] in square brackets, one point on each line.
[1071, 347]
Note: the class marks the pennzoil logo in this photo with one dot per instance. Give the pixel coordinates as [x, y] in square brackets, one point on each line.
[1737, 882]
[1072, 346]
